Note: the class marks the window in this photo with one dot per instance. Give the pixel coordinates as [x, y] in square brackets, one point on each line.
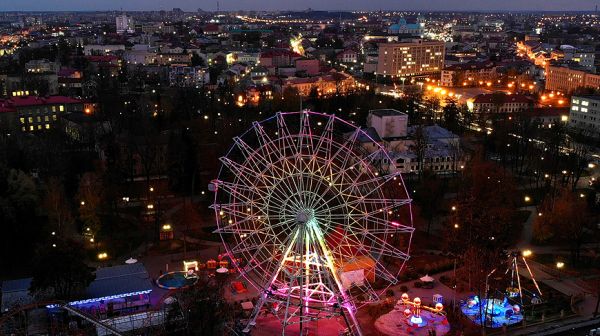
[54, 117]
[585, 103]
[30, 119]
[39, 127]
[61, 108]
[31, 128]
[46, 118]
[47, 126]
[22, 120]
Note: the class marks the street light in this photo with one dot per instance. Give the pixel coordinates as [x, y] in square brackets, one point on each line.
[527, 253]
[527, 199]
[559, 266]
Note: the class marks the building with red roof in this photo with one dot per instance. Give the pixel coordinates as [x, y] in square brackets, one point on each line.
[34, 113]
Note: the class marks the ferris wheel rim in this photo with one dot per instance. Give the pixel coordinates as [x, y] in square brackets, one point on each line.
[232, 255]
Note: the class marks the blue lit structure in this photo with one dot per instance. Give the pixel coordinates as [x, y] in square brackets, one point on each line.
[495, 312]
[116, 288]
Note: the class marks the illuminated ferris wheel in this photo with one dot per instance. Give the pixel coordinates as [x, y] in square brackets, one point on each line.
[312, 218]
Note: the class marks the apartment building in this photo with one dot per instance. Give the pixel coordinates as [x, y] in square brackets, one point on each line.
[410, 58]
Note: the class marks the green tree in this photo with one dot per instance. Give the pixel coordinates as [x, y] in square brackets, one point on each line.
[89, 198]
[60, 270]
[57, 206]
[429, 195]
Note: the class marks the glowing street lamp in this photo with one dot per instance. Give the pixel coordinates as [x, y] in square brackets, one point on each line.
[527, 253]
[527, 199]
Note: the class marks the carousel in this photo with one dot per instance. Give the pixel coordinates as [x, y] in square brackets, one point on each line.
[501, 308]
[412, 317]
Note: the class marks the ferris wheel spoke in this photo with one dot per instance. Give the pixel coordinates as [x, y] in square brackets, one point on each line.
[302, 203]
[378, 226]
[382, 247]
[382, 272]
[266, 144]
[236, 189]
[259, 161]
[285, 140]
[326, 139]
[246, 174]
[373, 183]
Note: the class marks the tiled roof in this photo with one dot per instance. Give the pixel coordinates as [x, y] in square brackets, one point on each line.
[11, 104]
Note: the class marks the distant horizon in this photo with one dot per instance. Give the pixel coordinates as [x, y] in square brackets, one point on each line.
[292, 5]
[300, 11]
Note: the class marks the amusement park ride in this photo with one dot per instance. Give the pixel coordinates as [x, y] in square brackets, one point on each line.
[312, 214]
[495, 310]
[414, 315]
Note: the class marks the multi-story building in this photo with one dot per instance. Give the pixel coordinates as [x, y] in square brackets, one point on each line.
[124, 24]
[440, 152]
[410, 58]
[585, 114]
[567, 79]
[324, 85]
[41, 66]
[33, 113]
[388, 122]
[499, 102]
[465, 74]
[188, 76]
[102, 49]
[168, 59]
[347, 55]
[583, 57]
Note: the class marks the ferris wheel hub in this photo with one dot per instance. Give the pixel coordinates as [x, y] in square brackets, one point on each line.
[305, 216]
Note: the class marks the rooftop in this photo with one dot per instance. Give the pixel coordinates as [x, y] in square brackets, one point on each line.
[590, 97]
[16, 285]
[487, 98]
[121, 279]
[387, 112]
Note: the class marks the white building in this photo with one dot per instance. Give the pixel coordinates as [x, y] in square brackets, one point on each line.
[188, 76]
[102, 49]
[143, 57]
[124, 24]
[388, 122]
[583, 57]
[388, 127]
[585, 114]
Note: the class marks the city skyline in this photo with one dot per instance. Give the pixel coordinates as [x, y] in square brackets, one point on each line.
[348, 5]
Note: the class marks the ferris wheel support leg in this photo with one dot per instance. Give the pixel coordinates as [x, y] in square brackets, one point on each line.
[346, 304]
[265, 294]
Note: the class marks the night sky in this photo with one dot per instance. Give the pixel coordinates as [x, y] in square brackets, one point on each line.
[210, 5]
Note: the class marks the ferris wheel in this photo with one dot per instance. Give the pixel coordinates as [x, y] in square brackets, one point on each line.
[312, 217]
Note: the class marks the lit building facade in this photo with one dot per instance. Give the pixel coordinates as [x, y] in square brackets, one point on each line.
[584, 115]
[410, 58]
[34, 114]
[565, 79]
[124, 24]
